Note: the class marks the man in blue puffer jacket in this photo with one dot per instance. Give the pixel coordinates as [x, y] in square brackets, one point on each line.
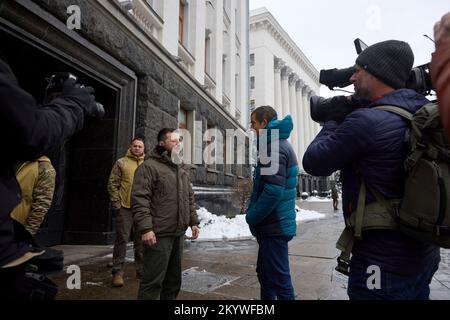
[271, 212]
[370, 143]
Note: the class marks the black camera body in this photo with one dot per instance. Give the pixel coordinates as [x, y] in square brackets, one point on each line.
[54, 89]
[336, 108]
[419, 79]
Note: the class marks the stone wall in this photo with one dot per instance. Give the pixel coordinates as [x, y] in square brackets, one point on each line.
[160, 90]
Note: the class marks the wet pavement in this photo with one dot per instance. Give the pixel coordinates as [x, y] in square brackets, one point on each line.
[221, 270]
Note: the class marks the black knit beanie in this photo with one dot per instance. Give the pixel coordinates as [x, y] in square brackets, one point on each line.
[390, 61]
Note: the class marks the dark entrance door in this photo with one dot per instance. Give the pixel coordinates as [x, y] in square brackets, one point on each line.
[83, 163]
[39, 44]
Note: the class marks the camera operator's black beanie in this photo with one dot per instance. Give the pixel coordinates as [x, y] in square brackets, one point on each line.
[390, 61]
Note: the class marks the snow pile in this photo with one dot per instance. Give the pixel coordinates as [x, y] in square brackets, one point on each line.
[214, 227]
[308, 215]
[221, 227]
[318, 199]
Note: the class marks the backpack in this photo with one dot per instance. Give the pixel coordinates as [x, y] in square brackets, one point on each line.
[424, 211]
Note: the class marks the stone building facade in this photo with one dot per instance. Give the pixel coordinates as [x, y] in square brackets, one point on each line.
[143, 87]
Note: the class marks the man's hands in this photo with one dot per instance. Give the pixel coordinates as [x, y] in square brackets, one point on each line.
[442, 29]
[149, 239]
[84, 96]
[195, 233]
[116, 205]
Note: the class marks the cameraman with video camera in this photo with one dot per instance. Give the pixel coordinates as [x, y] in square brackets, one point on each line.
[369, 148]
[26, 133]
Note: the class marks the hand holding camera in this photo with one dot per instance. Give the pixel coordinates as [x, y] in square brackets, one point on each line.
[66, 84]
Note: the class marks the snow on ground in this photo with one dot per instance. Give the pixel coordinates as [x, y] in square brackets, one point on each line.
[214, 227]
[221, 227]
[308, 215]
[318, 199]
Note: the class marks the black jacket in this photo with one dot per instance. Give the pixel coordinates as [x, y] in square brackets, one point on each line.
[26, 133]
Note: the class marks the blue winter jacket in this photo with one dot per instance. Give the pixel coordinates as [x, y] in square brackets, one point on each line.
[373, 142]
[271, 211]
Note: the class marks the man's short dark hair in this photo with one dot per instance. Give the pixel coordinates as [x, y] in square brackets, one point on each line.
[162, 135]
[265, 113]
[137, 139]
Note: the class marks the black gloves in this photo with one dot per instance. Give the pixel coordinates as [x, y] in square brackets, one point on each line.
[83, 96]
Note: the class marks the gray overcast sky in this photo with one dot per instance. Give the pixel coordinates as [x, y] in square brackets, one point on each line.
[324, 29]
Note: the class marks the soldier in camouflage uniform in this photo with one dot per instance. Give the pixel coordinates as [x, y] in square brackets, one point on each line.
[119, 188]
[37, 184]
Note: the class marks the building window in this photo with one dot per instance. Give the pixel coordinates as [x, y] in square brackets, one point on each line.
[252, 82]
[211, 145]
[182, 23]
[224, 71]
[227, 82]
[240, 162]
[237, 83]
[252, 59]
[182, 119]
[237, 92]
[238, 21]
[157, 6]
[210, 39]
[252, 104]
[187, 132]
[226, 165]
[208, 51]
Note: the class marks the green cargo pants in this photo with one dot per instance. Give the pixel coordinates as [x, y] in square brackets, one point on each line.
[161, 278]
[124, 227]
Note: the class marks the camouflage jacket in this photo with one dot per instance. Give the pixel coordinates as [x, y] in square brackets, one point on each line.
[37, 184]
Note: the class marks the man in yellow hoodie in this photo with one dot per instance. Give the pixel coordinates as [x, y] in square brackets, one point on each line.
[119, 189]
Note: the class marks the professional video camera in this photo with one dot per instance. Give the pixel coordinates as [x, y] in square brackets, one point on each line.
[338, 107]
[55, 87]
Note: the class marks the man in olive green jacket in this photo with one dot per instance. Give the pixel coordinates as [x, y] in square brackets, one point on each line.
[119, 188]
[162, 202]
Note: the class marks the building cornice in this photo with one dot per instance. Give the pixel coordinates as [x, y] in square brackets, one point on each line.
[264, 20]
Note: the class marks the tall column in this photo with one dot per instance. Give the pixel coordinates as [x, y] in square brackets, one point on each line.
[279, 64]
[312, 129]
[301, 122]
[293, 110]
[285, 72]
[307, 114]
[317, 127]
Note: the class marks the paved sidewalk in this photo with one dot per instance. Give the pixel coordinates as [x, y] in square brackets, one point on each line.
[226, 269]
